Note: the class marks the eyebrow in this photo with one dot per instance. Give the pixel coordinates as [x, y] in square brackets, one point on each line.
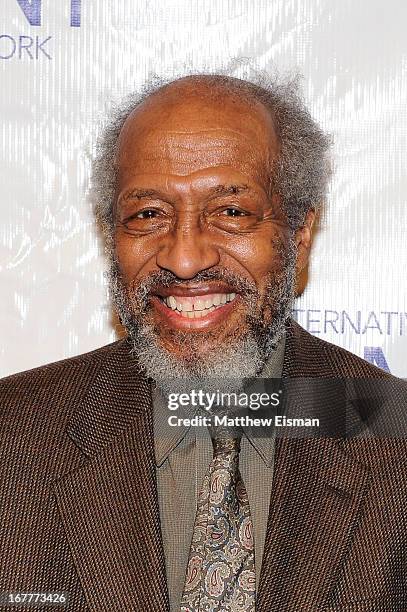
[228, 189]
[142, 193]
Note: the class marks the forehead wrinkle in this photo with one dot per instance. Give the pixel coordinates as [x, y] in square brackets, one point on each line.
[203, 131]
[255, 135]
[197, 145]
[180, 156]
[193, 139]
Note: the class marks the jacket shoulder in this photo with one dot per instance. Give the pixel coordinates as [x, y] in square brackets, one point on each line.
[309, 356]
[59, 380]
[374, 401]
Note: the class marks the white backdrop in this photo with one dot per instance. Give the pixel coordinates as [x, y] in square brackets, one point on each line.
[64, 63]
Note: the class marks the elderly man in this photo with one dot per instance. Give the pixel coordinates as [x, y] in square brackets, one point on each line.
[207, 189]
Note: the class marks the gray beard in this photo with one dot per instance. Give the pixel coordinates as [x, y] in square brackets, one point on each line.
[226, 366]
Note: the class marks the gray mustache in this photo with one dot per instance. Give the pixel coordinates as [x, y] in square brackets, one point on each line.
[165, 278]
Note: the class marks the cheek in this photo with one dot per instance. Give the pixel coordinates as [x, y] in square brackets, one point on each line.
[258, 253]
[135, 255]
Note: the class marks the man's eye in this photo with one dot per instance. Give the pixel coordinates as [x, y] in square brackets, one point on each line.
[233, 212]
[146, 214]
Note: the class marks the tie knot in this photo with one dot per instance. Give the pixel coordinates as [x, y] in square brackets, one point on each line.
[223, 445]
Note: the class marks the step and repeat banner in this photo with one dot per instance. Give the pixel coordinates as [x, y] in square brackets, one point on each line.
[64, 64]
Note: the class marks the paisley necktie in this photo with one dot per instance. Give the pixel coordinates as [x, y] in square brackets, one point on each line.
[220, 573]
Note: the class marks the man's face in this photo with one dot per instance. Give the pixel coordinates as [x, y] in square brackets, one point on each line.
[201, 245]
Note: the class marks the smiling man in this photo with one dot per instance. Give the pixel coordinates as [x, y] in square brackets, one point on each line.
[207, 189]
[205, 257]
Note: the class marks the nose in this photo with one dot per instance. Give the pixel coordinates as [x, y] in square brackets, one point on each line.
[187, 251]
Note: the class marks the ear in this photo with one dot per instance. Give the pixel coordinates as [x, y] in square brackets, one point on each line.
[303, 240]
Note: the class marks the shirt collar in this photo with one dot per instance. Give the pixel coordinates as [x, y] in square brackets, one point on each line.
[167, 438]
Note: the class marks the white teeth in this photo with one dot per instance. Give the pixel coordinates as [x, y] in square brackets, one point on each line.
[200, 306]
[170, 302]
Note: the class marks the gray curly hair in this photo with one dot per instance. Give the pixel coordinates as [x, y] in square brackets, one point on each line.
[300, 175]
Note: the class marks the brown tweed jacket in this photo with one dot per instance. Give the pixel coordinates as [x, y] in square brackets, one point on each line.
[78, 499]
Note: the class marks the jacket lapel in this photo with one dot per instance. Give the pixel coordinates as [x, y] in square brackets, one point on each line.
[317, 495]
[109, 505]
[316, 499]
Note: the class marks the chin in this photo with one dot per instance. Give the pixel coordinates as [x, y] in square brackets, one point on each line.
[193, 345]
[194, 350]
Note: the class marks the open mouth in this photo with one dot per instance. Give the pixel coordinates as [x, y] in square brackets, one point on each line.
[196, 307]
